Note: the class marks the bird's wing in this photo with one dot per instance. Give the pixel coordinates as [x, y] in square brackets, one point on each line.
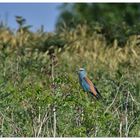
[92, 88]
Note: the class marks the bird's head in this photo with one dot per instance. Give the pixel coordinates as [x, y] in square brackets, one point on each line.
[82, 72]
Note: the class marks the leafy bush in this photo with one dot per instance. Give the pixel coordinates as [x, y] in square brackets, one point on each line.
[40, 94]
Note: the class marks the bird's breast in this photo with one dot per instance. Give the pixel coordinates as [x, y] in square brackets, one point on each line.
[85, 85]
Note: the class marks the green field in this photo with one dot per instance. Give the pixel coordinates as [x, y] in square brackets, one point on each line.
[40, 94]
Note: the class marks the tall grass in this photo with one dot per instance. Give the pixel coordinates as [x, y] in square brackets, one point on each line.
[39, 90]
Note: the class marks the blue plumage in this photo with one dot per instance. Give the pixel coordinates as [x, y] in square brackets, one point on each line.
[83, 83]
[86, 84]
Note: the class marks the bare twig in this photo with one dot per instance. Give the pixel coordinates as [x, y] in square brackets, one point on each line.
[131, 124]
[120, 130]
[112, 102]
[116, 109]
[126, 116]
[134, 99]
[42, 122]
[2, 123]
[96, 131]
[109, 128]
[54, 108]
[54, 122]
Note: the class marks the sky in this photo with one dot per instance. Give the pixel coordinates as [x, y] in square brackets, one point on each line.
[36, 14]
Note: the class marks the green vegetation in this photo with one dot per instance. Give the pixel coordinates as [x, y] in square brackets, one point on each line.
[40, 95]
[113, 20]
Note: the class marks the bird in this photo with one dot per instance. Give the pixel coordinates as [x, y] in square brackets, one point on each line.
[87, 84]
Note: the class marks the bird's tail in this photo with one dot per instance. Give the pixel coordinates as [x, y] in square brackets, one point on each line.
[98, 95]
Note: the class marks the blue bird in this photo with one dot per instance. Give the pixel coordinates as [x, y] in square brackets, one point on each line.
[87, 85]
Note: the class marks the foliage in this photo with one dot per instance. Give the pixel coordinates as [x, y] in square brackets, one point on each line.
[40, 94]
[116, 21]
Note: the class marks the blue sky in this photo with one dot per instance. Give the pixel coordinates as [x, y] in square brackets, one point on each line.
[36, 14]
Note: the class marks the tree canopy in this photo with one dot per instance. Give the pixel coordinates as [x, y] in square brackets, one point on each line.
[116, 20]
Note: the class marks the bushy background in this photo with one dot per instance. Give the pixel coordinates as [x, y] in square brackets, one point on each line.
[40, 95]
